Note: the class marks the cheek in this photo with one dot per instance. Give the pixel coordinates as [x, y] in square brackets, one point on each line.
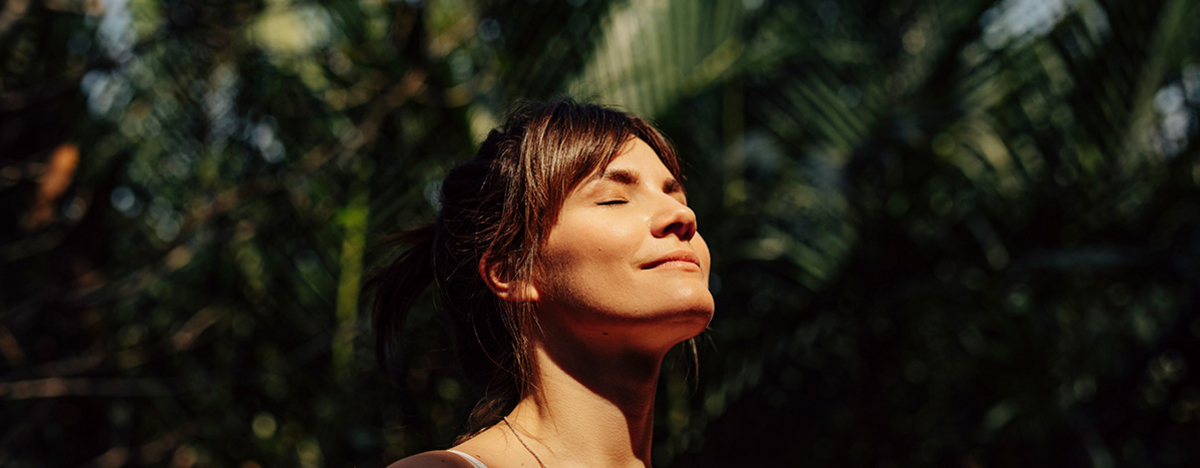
[581, 247]
[595, 239]
[587, 257]
[702, 251]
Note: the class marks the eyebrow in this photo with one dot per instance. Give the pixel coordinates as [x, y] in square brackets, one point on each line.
[625, 177]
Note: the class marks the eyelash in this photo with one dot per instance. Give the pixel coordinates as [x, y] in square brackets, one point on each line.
[612, 202]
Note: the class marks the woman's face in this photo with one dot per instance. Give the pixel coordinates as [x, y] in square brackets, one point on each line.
[624, 261]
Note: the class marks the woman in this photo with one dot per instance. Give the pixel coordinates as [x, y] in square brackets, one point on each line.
[568, 263]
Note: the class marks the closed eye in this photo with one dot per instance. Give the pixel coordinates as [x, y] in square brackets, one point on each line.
[611, 202]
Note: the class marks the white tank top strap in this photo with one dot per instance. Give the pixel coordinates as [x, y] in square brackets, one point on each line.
[474, 462]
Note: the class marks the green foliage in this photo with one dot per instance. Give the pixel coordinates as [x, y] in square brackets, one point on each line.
[944, 233]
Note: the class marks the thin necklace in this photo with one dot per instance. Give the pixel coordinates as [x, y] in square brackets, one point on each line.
[522, 441]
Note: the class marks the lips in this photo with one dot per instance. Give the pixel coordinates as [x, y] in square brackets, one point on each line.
[678, 257]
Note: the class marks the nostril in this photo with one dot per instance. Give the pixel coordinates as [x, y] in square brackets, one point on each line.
[679, 220]
[685, 231]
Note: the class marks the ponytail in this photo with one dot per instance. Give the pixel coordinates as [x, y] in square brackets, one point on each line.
[397, 286]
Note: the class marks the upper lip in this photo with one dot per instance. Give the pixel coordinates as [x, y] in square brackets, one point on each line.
[673, 256]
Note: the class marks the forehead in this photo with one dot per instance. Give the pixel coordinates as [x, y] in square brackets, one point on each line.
[635, 155]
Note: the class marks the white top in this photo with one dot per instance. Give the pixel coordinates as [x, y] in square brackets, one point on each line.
[474, 463]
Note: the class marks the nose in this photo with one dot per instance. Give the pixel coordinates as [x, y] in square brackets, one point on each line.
[676, 219]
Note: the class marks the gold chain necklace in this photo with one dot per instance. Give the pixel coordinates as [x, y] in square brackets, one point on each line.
[522, 441]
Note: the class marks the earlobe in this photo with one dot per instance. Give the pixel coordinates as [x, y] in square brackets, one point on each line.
[503, 285]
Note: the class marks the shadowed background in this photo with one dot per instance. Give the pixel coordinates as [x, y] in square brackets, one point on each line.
[945, 233]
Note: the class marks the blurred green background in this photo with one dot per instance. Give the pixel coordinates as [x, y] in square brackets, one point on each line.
[945, 233]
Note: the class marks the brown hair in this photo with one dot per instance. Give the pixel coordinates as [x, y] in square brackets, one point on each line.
[500, 205]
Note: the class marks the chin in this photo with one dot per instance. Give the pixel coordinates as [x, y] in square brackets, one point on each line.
[703, 315]
[692, 315]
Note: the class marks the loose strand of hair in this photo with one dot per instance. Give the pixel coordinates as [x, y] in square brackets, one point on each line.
[397, 285]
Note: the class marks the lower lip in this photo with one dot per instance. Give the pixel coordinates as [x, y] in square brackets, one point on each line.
[676, 264]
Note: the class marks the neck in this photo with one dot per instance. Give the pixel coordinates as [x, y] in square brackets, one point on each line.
[590, 409]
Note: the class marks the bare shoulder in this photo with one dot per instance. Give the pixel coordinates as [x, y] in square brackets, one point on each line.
[433, 459]
[485, 447]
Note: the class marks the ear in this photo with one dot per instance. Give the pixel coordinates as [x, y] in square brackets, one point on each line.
[505, 287]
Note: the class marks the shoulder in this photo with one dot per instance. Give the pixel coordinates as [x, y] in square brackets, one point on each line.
[433, 459]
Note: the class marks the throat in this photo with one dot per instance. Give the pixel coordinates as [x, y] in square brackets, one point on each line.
[589, 411]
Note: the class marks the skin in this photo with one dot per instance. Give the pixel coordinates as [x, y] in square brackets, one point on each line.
[622, 278]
